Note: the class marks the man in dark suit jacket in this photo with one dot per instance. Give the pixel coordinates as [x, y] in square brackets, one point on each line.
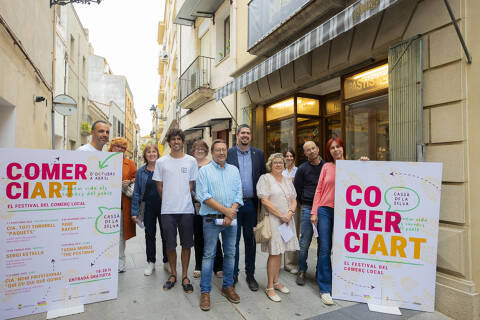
[251, 164]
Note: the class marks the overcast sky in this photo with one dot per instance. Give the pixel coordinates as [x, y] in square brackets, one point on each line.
[125, 33]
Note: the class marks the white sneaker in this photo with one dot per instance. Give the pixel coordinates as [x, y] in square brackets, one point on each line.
[326, 298]
[122, 265]
[294, 271]
[149, 269]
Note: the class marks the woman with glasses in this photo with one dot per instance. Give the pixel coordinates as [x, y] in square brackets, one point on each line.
[127, 226]
[279, 199]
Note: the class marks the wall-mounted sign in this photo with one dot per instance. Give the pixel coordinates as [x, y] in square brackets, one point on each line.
[366, 82]
[333, 106]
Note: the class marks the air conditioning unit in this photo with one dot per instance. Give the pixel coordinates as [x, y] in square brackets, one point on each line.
[164, 55]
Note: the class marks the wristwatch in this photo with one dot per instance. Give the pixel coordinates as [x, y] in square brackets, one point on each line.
[290, 210]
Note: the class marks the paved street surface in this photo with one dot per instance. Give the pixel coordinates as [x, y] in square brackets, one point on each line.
[142, 297]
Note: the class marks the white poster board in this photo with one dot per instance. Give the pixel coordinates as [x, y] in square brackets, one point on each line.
[59, 221]
[386, 233]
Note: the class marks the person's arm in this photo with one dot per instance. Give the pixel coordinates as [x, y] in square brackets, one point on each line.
[298, 183]
[318, 195]
[157, 176]
[135, 198]
[262, 162]
[273, 210]
[237, 189]
[217, 206]
[160, 188]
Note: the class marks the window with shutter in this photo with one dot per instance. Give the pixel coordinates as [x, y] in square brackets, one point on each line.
[405, 105]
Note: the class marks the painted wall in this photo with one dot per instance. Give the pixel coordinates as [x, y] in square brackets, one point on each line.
[77, 76]
[23, 123]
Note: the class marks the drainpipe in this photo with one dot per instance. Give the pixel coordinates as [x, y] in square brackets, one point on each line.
[53, 73]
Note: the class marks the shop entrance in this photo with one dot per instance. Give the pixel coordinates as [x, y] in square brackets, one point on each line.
[366, 128]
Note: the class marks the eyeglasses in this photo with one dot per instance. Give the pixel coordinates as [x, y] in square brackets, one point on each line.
[277, 162]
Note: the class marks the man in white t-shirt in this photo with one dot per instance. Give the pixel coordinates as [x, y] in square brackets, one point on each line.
[175, 174]
[100, 135]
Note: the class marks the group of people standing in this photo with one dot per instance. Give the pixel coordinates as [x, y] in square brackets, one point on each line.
[201, 199]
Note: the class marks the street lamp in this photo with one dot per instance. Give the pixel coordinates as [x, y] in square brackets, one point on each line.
[153, 110]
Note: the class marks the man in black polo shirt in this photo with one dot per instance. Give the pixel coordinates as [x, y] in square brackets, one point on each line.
[305, 183]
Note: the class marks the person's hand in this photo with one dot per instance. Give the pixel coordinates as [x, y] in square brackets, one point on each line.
[134, 219]
[285, 218]
[230, 213]
[125, 183]
[364, 158]
[314, 219]
[227, 221]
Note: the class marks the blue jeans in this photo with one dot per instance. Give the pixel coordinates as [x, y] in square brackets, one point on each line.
[305, 238]
[246, 218]
[324, 263]
[210, 238]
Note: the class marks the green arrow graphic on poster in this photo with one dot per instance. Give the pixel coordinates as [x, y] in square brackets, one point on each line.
[103, 164]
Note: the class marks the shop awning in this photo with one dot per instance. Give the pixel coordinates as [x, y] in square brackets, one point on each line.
[192, 9]
[330, 29]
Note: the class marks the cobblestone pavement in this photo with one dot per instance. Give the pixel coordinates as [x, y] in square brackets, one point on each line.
[141, 297]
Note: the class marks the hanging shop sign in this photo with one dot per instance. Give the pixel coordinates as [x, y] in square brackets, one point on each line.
[386, 233]
[366, 82]
[60, 221]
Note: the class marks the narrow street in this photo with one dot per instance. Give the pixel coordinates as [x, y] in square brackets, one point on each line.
[142, 297]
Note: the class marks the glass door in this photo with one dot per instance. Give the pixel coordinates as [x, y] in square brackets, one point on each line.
[367, 129]
[279, 136]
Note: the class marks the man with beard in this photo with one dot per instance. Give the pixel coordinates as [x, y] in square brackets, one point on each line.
[251, 164]
[305, 182]
[100, 135]
[175, 174]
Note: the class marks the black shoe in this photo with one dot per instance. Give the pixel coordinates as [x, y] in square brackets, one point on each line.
[252, 283]
[235, 280]
[301, 278]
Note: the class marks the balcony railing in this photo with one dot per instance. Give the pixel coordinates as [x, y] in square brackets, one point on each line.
[197, 75]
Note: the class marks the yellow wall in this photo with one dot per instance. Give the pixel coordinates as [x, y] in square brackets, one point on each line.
[129, 121]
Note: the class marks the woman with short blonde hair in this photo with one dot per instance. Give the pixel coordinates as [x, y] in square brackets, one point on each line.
[279, 198]
[146, 190]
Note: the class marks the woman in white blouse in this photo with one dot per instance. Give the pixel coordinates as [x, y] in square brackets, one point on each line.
[290, 168]
[278, 197]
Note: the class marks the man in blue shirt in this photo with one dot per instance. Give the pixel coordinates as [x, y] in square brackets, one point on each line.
[219, 190]
[251, 163]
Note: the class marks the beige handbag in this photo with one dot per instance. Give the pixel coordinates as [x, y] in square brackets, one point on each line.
[262, 231]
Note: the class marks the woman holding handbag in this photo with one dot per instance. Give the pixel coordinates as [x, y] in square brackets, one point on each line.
[278, 198]
[145, 198]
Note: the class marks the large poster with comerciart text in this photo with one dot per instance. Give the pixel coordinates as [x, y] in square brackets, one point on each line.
[59, 221]
[386, 233]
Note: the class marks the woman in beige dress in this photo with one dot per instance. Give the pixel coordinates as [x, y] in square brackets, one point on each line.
[278, 197]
